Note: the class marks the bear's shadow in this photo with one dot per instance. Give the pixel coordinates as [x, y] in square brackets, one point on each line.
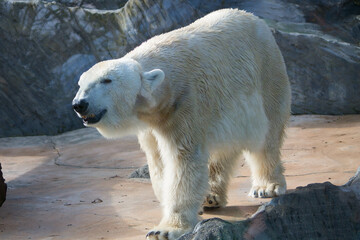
[232, 212]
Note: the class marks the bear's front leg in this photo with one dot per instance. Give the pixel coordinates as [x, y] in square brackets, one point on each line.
[149, 145]
[184, 186]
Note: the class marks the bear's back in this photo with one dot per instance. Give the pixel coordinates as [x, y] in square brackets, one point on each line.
[227, 35]
[222, 59]
[211, 25]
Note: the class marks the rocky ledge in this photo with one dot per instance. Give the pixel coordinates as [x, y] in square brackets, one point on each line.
[317, 211]
[3, 188]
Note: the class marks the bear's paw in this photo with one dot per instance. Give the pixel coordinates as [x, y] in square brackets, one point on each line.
[213, 201]
[268, 191]
[163, 233]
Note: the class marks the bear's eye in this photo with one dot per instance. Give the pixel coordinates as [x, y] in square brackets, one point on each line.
[106, 81]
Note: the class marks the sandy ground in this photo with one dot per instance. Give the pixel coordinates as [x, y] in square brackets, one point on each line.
[76, 186]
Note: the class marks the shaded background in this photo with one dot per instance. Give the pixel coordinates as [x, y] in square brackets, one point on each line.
[46, 45]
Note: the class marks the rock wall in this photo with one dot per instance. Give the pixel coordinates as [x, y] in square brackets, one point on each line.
[46, 45]
[94, 4]
[3, 188]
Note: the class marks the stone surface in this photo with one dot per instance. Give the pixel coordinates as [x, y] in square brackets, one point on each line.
[55, 199]
[3, 188]
[338, 18]
[97, 4]
[46, 45]
[324, 73]
[317, 211]
[354, 184]
[216, 228]
[142, 172]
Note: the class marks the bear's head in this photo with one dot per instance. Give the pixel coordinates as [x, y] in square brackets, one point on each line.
[111, 92]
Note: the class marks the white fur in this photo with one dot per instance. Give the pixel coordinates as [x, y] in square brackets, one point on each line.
[199, 97]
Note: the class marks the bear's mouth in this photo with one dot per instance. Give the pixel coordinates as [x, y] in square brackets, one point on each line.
[93, 118]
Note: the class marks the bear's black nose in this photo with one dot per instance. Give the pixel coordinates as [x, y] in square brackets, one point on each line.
[80, 106]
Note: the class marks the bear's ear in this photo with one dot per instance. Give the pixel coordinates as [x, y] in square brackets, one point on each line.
[153, 79]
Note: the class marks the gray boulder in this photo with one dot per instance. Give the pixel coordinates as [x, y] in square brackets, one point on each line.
[317, 211]
[3, 188]
[324, 73]
[142, 172]
[94, 4]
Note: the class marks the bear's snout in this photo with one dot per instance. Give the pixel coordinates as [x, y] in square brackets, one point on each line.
[80, 106]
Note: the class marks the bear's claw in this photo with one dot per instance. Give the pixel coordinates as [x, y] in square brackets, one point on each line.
[269, 191]
[157, 235]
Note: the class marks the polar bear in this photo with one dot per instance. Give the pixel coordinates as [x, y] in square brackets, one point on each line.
[197, 97]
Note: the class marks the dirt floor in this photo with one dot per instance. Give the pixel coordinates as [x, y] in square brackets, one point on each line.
[76, 186]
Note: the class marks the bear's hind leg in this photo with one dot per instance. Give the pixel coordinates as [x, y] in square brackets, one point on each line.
[267, 173]
[220, 170]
